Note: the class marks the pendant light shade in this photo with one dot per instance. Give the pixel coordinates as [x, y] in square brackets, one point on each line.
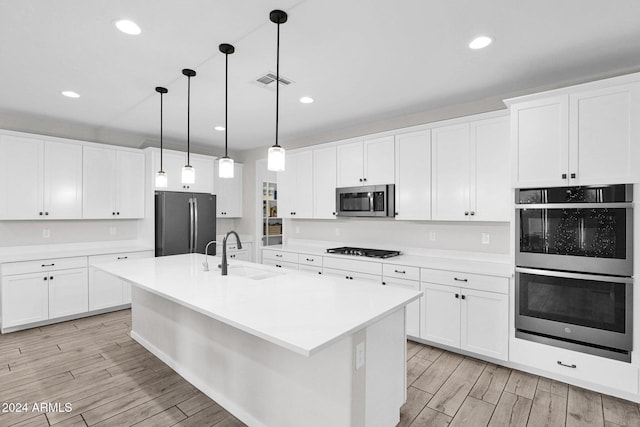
[188, 173]
[161, 176]
[225, 164]
[275, 158]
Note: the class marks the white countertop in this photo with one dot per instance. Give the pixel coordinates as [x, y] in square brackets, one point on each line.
[300, 311]
[489, 264]
[26, 253]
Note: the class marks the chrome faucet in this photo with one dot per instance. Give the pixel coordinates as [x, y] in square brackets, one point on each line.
[224, 264]
[205, 264]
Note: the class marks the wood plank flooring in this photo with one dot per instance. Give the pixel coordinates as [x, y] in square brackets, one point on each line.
[110, 380]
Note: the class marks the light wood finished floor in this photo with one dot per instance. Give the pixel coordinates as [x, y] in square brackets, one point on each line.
[110, 380]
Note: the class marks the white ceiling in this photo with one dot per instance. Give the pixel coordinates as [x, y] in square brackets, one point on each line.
[362, 60]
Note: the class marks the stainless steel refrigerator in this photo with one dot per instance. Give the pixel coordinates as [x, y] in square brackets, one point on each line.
[185, 222]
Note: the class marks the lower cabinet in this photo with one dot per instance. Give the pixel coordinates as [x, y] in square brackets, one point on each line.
[469, 319]
[413, 310]
[68, 292]
[233, 252]
[351, 275]
[25, 299]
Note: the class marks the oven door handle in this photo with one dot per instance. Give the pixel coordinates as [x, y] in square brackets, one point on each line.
[622, 205]
[569, 275]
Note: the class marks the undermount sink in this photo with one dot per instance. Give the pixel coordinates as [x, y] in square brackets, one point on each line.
[251, 272]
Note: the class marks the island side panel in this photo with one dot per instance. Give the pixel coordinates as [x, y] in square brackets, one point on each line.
[259, 382]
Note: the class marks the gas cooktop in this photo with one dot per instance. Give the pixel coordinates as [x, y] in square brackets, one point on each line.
[373, 253]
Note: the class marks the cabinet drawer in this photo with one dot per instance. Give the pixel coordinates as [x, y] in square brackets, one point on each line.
[352, 275]
[96, 259]
[280, 256]
[401, 271]
[43, 265]
[465, 280]
[584, 367]
[280, 264]
[310, 268]
[309, 259]
[353, 265]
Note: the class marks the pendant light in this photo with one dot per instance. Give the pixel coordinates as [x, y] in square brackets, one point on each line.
[161, 176]
[188, 173]
[275, 159]
[225, 164]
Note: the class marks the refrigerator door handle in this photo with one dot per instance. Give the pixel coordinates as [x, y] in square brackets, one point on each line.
[190, 225]
[195, 224]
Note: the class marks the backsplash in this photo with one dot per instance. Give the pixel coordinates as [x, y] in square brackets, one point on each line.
[458, 236]
[21, 233]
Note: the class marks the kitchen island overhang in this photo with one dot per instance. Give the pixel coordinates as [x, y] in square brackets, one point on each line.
[273, 347]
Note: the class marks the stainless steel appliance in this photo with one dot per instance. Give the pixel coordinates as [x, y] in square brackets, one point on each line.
[368, 200]
[185, 222]
[372, 253]
[574, 267]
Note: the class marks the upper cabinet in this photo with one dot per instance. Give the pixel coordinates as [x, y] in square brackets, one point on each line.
[295, 186]
[113, 183]
[172, 164]
[470, 171]
[583, 135]
[40, 179]
[366, 162]
[413, 176]
[229, 193]
[324, 182]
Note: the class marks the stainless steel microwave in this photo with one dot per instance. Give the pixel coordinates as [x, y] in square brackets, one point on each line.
[366, 201]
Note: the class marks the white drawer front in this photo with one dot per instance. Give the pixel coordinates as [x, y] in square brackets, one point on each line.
[465, 280]
[96, 259]
[309, 259]
[310, 268]
[280, 264]
[280, 255]
[354, 265]
[352, 275]
[585, 367]
[43, 265]
[401, 271]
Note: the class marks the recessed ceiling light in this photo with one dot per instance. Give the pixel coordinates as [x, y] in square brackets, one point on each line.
[306, 100]
[128, 27]
[219, 128]
[480, 42]
[70, 94]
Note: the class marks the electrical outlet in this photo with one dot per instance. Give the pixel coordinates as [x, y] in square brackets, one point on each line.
[486, 238]
[360, 355]
[432, 236]
[112, 230]
[46, 233]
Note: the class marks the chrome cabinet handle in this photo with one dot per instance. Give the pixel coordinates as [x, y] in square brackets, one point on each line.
[572, 366]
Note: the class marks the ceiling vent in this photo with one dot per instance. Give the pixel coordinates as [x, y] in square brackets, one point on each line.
[268, 79]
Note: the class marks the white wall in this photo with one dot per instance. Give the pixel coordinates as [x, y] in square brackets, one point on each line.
[21, 233]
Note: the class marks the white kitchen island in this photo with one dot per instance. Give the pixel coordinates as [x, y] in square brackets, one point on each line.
[274, 348]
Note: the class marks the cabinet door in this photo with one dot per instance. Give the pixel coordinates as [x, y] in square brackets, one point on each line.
[62, 180]
[450, 164]
[350, 164]
[485, 320]
[287, 187]
[379, 164]
[540, 134]
[490, 171]
[229, 193]
[413, 176]
[441, 314]
[303, 201]
[172, 163]
[25, 299]
[98, 189]
[68, 292]
[203, 166]
[412, 310]
[21, 198]
[105, 290]
[130, 184]
[324, 183]
[604, 134]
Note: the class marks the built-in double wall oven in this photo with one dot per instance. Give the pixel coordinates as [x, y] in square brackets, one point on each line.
[574, 268]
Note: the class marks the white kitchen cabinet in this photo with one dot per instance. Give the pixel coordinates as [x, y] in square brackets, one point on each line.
[470, 171]
[324, 182]
[172, 164]
[412, 314]
[40, 179]
[107, 290]
[484, 320]
[229, 193]
[441, 314]
[113, 183]
[295, 186]
[68, 292]
[366, 162]
[280, 264]
[586, 135]
[233, 252]
[413, 176]
[25, 299]
[351, 275]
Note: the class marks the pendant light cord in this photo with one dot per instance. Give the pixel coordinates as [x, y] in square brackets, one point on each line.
[277, 81]
[161, 132]
[226, 101]
[188, 116]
